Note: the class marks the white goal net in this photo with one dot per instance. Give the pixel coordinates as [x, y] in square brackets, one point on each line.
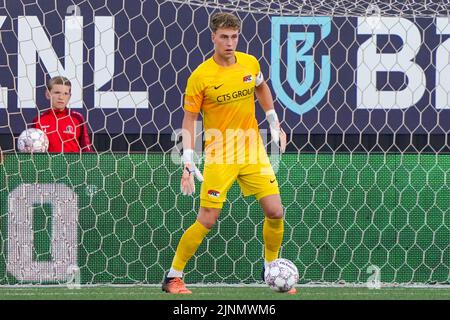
[361, 87]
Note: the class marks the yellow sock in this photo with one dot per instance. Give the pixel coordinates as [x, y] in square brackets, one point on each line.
[273, 230]
[188, 245]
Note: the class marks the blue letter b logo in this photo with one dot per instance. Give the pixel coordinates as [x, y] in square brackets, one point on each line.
[294, 56]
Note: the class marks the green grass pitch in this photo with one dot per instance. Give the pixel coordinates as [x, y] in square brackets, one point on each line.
[223, 293]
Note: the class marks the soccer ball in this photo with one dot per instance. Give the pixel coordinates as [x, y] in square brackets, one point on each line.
[32, 140]
[281, 275]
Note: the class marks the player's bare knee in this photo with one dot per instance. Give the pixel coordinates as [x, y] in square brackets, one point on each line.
[208, 217]
[274, 213]
[208, 223]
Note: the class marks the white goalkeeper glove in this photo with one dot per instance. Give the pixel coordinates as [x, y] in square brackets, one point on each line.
[278, 135]
[189, 170]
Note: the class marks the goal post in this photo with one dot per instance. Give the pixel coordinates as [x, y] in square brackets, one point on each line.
[361, 90]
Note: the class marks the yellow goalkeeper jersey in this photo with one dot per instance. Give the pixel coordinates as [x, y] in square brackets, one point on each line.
[225, 97]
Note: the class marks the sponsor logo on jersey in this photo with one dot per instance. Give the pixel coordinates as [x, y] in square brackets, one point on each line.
[248, 78]
[213, 193]
[69, 130]
[235, 95]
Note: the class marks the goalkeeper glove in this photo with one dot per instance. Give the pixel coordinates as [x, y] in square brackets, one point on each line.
[189, 170]
[278, 135]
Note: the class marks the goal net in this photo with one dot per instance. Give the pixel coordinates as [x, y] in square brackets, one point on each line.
[362, 90]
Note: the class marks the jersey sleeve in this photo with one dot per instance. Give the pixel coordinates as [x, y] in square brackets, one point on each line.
[193, 98]
[85, 141]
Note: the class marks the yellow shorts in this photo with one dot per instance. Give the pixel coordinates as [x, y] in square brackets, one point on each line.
[254, 179]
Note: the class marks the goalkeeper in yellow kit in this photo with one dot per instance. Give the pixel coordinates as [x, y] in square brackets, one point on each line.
[223, 89]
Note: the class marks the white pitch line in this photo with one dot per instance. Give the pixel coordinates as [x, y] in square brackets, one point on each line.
[309, 294]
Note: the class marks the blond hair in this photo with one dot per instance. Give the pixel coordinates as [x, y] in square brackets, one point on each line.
[58, 80]
[224, 20]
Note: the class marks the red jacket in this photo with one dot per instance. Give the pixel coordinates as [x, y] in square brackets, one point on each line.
[66, 130]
